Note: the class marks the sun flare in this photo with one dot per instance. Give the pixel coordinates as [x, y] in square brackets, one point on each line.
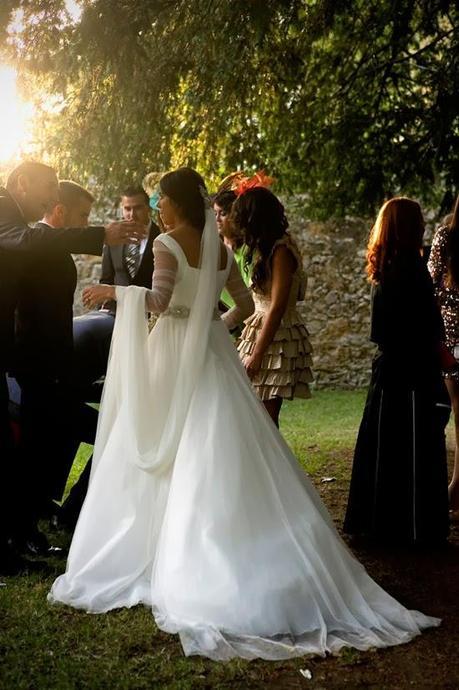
[15, 118]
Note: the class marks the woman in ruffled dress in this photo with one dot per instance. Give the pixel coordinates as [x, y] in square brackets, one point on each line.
[444, 269]
[274, 344]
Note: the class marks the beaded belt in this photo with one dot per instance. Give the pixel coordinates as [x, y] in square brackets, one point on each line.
[180, 312]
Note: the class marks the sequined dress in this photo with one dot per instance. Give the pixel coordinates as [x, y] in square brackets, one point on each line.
[447, 296]
[286, 366]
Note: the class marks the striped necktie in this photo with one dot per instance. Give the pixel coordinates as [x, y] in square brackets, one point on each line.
[132, 258]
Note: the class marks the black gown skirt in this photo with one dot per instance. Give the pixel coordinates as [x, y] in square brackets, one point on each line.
[399, 482]
[399, 476]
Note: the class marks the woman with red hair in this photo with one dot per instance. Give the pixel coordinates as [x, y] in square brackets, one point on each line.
[399, 479]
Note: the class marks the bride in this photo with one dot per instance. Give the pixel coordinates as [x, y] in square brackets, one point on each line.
[196, 506]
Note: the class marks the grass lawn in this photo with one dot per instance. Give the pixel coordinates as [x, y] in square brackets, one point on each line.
[56, 648]
[323, 428]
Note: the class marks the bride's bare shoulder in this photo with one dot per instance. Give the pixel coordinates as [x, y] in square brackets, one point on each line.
[185, 237]
[176, 233]
[191, 246]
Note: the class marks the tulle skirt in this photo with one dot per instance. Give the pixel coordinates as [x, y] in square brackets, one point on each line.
[231, 547]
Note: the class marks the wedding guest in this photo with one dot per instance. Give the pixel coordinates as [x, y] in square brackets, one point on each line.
[274, 344]
[53, 415]
[223, 202]
[131, 264]
[444, 269]
[398, 489]
[30, 189]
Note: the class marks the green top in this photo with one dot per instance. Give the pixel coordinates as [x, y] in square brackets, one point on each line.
[239, 255]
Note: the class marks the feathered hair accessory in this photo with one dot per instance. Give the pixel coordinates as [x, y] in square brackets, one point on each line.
[260, 179]
[239, 182]
[232, 181]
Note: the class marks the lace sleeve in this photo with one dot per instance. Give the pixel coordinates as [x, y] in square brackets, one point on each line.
[164, 275]
[242, 297]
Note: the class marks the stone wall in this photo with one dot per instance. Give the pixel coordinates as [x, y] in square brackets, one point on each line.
[336, 309]
[88, 268]
[337, 305]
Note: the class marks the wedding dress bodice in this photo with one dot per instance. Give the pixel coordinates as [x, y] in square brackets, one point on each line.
[175, 283]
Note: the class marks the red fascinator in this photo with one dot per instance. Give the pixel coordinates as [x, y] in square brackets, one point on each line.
[260, 179]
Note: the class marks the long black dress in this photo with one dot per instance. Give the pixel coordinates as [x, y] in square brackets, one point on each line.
[399, 478]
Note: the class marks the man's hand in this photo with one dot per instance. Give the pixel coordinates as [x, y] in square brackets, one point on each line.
[98, 294]
[123, 232]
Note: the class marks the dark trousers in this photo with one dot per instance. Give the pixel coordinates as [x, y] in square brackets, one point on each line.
[92, 335]
[15, 514]
[54, 421]
[9, 488]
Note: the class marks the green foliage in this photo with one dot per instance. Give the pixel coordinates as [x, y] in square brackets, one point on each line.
[347, 101]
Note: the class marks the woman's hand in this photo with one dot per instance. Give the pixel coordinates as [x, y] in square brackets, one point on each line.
[98, 294]
[252, 364]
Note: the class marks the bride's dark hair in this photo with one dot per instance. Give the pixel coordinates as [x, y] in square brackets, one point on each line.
[186, 188]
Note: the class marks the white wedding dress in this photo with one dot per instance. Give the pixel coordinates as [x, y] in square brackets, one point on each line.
[196, 506]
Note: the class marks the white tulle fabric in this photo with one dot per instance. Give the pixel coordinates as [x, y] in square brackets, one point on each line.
[224, 538]
[154, 438]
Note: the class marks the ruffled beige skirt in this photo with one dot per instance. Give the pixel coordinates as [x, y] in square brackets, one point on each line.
[286, 366]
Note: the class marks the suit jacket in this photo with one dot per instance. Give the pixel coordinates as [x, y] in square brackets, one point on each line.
[115, 272]
[24, 253]
[44, 314]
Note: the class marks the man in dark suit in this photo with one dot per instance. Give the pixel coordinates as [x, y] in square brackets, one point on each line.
[30, 190]
[53, 413]
[131, 264]
[127, 265]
